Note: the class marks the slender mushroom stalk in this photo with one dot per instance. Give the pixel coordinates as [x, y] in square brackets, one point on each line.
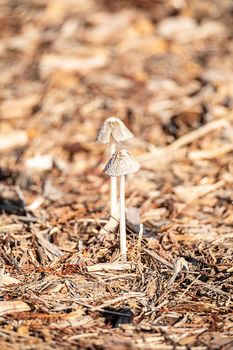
[113, 130]
[113, 186]
[122, 163]
[122, 219]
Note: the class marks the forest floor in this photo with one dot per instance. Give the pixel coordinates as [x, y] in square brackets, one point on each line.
[165, 68]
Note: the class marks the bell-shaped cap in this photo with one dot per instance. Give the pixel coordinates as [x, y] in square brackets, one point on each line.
[115, 127]
[121, 163]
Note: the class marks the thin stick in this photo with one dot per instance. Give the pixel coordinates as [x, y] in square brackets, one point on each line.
[119, 299]
[167, 152]
[122, 219]
[113, 180]
[110, 267]
[157, 257]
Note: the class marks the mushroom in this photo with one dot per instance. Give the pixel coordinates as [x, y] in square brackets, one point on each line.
[122, 163]
[113, 130]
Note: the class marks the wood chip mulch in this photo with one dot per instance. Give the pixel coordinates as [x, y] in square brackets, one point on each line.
[165, 68]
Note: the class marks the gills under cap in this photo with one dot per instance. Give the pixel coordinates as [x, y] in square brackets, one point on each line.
[115, 127]
[121, 163]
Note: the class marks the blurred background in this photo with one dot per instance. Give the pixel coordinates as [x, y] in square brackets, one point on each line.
[164, 67]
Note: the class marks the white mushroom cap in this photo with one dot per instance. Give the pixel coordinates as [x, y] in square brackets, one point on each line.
[121, 163]
[115, 127]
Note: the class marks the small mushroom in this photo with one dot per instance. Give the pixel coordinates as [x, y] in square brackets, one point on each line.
[113, 130]
[122, 163]
[114, 127]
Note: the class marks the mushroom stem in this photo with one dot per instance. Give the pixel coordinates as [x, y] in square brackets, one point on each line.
[113, 188]
[122, 219]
